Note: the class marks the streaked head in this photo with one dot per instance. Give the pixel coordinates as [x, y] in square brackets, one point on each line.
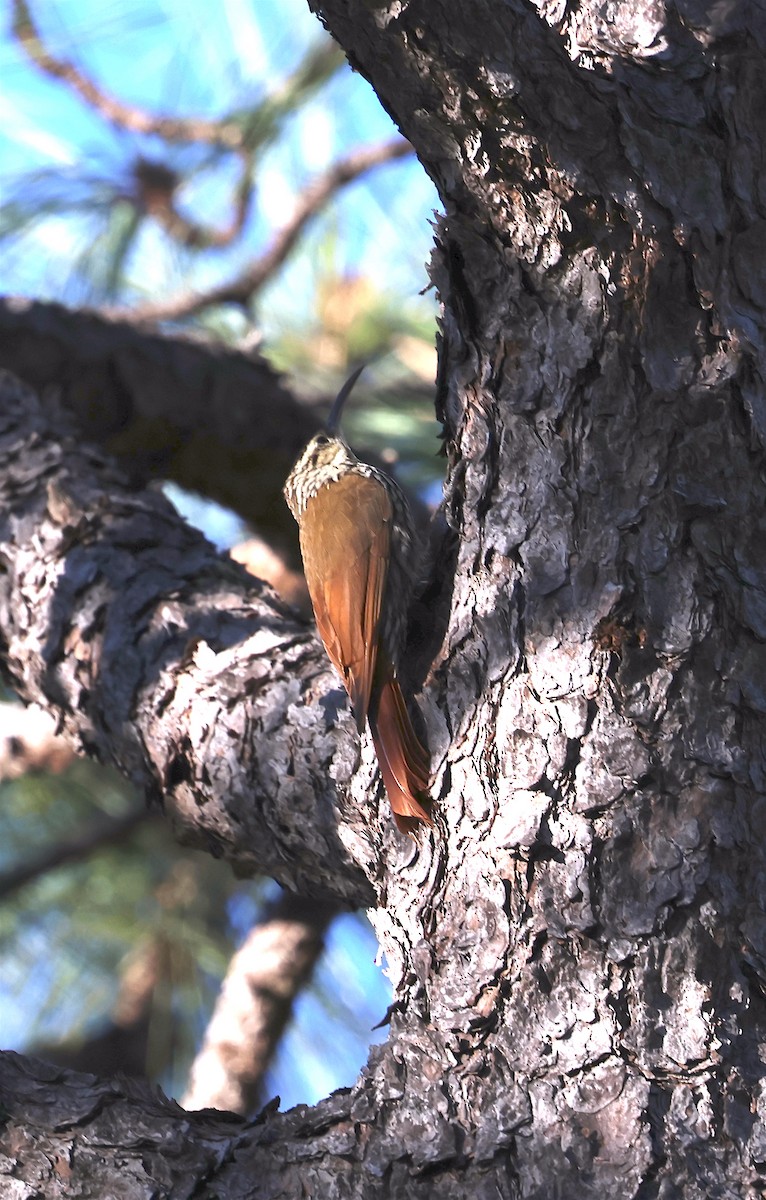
[325, 458]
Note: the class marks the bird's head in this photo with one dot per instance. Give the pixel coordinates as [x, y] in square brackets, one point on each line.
[326, 457]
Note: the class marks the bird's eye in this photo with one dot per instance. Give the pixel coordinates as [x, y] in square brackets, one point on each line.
[321, 440]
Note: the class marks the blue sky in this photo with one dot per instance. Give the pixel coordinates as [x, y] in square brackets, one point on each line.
[190, 57]
[172, 58]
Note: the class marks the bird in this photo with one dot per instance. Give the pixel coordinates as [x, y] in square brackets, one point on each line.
[360, 550]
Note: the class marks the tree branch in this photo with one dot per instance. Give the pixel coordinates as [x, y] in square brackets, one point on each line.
[228, 133]
[155, 192]
[255, 1003]
[212, 419]
[244, 286]
[28, 742]
[63, 1132]
[106, 833]
[166, 659]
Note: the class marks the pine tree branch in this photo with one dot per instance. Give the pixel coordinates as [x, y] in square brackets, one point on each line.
[106, 833]
[209, 417]
[163, 657]
[246, 285]
[228, 133]
[156, 185]
[255, 1004]
[244, 134]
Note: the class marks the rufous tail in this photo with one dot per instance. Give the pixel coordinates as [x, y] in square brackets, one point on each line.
[403, 761]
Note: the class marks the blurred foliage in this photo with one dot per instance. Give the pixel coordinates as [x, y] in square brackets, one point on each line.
[391, 407]
[153, 167]
[67, 938]
[72, 939]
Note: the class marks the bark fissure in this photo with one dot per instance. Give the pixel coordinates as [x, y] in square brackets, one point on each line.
[579, 952]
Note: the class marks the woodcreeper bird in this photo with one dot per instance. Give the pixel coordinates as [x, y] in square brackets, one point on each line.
[359, 551]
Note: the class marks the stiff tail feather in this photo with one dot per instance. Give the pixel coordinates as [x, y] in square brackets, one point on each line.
[403, 761]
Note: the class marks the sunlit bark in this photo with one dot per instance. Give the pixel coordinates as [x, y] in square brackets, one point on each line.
[579, 951]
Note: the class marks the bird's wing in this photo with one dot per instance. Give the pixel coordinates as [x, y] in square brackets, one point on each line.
[345, 542]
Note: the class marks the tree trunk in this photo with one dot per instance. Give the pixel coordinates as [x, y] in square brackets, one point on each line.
[579, 950]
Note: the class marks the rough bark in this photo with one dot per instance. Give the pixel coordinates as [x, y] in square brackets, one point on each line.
[580, 951]
[69, 1135]
[212, 419]
[168, 660]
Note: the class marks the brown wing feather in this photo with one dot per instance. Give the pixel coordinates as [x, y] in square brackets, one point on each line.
[404, 763]
[345, 539]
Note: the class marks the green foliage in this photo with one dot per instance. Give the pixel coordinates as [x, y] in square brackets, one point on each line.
[68, 938]
[263, 123]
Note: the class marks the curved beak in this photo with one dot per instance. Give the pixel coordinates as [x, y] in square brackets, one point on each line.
[333, 421]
